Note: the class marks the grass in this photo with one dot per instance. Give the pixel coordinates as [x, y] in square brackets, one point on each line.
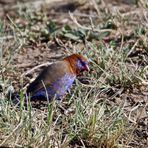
[90, 122]
[100, 108]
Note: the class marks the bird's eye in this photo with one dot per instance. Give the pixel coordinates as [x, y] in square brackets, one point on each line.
[83, 63]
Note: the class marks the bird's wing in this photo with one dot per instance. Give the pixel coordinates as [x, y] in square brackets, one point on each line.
[48, 76]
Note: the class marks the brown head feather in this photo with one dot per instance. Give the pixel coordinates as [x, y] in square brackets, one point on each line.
[72, 62]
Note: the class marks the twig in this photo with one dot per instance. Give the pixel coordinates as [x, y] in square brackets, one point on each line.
[137, 11]
[36, 4]
[122, 40]
[23, 65]
[132, 48]
[60, 43]
[34, 68]
[9, 37]
[96, 6]
[14, 131]
[135, 124]
[88, 28]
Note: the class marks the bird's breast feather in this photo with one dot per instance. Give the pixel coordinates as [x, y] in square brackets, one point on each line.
[58, 87]
[64, 83]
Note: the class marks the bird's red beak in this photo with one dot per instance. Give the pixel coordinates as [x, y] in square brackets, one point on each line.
[87, 68]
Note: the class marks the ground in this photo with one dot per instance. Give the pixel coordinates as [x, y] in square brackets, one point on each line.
[107, 107]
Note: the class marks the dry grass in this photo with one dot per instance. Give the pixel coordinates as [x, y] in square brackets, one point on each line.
[106, 107]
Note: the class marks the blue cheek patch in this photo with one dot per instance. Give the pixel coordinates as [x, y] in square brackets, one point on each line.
[80, 64]
[57, 88]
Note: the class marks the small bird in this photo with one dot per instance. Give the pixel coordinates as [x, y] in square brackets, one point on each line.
[57, 78]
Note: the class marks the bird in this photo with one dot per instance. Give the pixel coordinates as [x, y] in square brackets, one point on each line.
[56, 79]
